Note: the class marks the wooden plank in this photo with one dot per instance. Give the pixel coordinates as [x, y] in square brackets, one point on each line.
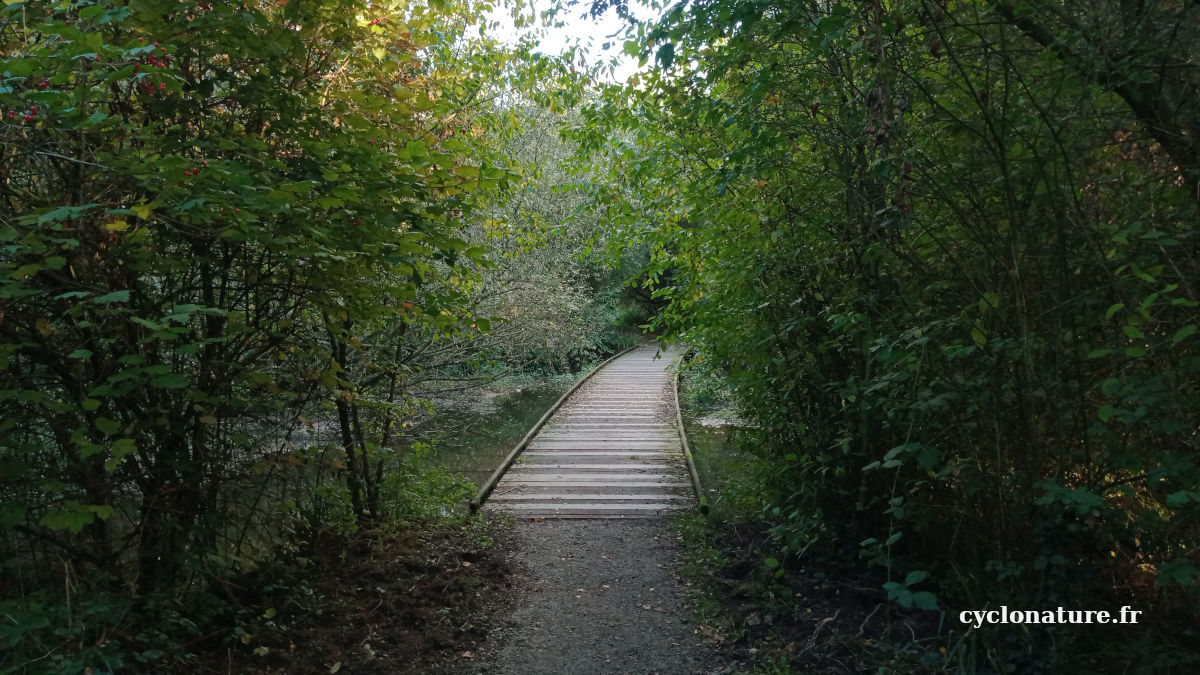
[636, 467]
[611, 451]
[588, 496]
[603, 445]
[594, 506]
[648, 489]
[524, 476]
[586, 482]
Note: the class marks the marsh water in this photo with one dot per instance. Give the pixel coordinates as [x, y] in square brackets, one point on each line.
[473, 440]
[713, 449]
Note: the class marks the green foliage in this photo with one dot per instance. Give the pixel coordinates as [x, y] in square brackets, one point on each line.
[227, 231]
[419, 491]
[945, 254]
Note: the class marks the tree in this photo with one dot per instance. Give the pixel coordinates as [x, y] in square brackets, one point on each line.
[204, 207]
[944, 259]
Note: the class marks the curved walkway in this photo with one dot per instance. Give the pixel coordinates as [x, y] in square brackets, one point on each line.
[611, 451]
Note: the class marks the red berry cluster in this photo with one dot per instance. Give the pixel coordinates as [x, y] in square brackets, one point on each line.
[159, 59]
[196, 171]
[29, 115]
[377, 22]
[149, 88]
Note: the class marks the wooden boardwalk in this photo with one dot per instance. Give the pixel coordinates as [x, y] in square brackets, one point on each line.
[612, 450]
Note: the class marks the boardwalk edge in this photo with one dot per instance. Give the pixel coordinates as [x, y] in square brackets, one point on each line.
[687, 452]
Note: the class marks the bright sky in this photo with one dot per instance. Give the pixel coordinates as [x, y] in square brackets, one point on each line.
[589, 34]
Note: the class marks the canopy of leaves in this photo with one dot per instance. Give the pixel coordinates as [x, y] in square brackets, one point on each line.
[218, 222]
[946, 254]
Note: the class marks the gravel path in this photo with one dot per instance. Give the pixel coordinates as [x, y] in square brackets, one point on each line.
[597, 596]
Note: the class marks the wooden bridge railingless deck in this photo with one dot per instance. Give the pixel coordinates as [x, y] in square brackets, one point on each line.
[612, 447]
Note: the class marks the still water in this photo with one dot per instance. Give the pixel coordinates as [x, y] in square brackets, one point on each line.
[714, 452]
[472, 441]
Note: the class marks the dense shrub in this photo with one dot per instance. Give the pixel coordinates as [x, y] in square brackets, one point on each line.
[946, 253]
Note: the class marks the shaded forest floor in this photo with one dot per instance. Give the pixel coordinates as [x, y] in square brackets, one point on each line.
[809, 618]
[574, 596]
[421, 600]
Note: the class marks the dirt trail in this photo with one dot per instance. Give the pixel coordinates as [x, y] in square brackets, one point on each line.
[596, 596]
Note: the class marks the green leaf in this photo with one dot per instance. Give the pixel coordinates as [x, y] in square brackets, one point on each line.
[915, 577]
[665, 56]
[1181, 497]
[927, 457]
[925, 600]
[170, 381]
[115, 296]
[120, 450]
[1183, 334]
[1105, 413]
[73, 516]
[979, 336]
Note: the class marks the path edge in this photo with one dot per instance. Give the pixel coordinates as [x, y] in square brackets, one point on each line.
[687, 452]
[486, 489]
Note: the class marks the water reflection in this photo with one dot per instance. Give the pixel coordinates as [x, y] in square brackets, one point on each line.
[713, 451]
[473, 440]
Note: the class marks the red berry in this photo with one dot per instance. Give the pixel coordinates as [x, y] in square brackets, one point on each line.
[204, 163]
[29, 118]
[162, 86]
[141, 39]
[237, 210]
[33, 111]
